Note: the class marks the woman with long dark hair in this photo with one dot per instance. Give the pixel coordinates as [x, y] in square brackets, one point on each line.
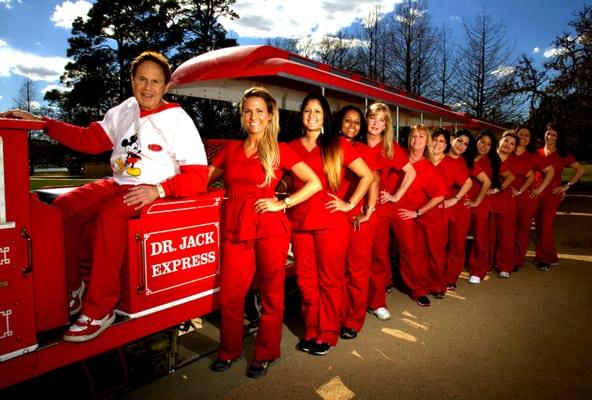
[486, 162]
[320, 234]
[557, 156]
[527, 162]
[256, 232]
[362, 222]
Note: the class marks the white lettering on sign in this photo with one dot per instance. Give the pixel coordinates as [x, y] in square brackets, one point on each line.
[166, 246]
[200, 239]
[195, 260]
[4, 260]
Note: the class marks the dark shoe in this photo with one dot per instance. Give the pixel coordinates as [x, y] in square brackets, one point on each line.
[439, 295]
[320, 349]
[423, 301]
[451, 287]
[516, 268]
[543, 266]
[348, 333]
[306, 345]
[258, 368]
[222, 365]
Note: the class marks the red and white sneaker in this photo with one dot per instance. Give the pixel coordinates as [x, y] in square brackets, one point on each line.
[75, 299]
[86, 328]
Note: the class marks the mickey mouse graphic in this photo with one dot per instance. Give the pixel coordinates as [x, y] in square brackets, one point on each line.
[133, 150]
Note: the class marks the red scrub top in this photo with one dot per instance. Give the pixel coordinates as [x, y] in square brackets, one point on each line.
[350, 180]
[559, 163]
[312, 214]
[501, 202]
[391, 173]
[427, 185]
[481, 165]
[242, 179]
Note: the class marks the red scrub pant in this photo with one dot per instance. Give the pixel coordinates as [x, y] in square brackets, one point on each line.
[320, 274]
[101, 205]
[380, 267]
[240, 260]
[458, 228]
[545, 219]
[435, 237]
[525, 210]
[413, 257]
[357, 274]
[480, 260]
[502, 241]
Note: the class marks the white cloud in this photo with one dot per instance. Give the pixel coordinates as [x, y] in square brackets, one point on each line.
[52, 87]
[536, 50]
[1, 97]
[295, 19]
[554, 52]
[38, 68]
[64, 14]
[8, 3]
[502, 71]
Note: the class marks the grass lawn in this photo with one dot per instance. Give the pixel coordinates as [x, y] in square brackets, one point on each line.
[40, 182]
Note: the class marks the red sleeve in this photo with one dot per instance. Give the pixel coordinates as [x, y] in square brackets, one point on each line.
[399, 160]
[288, 157]
[569, 160]
[219, 160]
[192, 179]
[476, 170]
[91, 140]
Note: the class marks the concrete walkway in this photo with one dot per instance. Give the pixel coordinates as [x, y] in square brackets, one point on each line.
[527, 337]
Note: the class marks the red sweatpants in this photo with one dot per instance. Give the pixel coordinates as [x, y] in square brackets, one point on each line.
[380, 267]
[458, 228]
[502, 242]
[435, 237]
[99, 203]
[240, 260]
[357, 274]
[480, 261]
[525, 210]
[545, 219]
[320, 274]
[413, 257]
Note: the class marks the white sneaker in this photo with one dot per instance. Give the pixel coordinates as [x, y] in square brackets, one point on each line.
[86, 328]
[474, 280]
[504, 274]
[382, 313]
[75, 299]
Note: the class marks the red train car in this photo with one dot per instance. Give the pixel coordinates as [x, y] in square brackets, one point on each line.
[171, 271]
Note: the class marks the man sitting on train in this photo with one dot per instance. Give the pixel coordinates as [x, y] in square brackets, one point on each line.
[156, 152]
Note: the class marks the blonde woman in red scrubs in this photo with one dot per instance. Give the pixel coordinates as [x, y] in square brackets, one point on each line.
[256, 232]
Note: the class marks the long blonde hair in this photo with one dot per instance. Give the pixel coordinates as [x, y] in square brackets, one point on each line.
[428, 152]
[388, 135]
[267, 148]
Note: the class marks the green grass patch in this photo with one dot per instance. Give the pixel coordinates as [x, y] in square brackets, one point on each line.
[586, 179]
[42, 182]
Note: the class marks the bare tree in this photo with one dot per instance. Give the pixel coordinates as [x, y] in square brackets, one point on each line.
[441, 90]
[482, 71]
[373, 54]
[413, 42]
[27, 97]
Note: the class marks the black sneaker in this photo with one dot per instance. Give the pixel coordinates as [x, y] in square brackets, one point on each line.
[543, 266]
[439, 295]
[222, 365]
[348, 333]
[258, 368]
[423, 301]
[306, 345]
[320, 349]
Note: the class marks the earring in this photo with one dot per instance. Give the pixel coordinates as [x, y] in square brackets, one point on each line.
[322, 130]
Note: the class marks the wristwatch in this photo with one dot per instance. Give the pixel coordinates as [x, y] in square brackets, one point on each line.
[288, 202]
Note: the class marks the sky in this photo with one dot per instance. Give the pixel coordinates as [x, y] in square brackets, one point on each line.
[34, 33]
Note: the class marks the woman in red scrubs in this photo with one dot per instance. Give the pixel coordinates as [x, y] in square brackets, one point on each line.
[396, 175]
[421, 224]
[486, 162]
[320, 234]
[362, 222]
[559, 158]
[255, 229]
[503, 208]
[528, 162]
[454, 167]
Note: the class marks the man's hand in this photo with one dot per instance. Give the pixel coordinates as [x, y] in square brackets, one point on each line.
[140, 196]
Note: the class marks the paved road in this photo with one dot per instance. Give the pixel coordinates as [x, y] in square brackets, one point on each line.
[523, 338]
